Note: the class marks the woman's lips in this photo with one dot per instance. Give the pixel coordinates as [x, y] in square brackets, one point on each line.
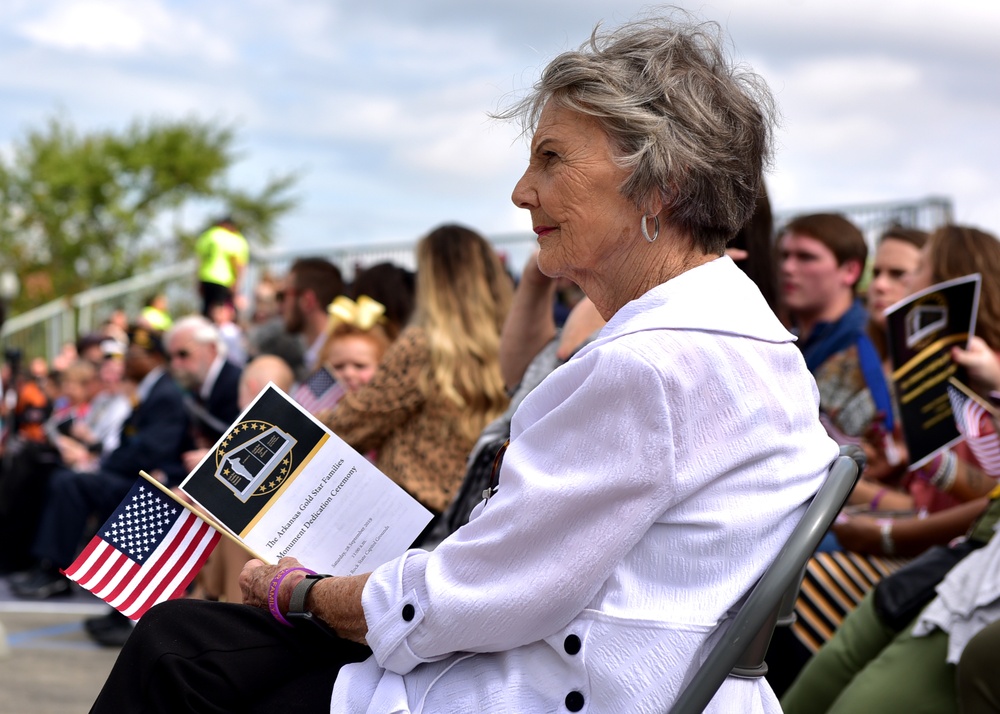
[543, 230]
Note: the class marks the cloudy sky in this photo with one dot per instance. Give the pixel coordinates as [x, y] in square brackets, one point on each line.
[382, 106]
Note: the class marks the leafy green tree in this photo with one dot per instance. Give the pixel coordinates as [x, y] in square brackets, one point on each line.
[82, 209]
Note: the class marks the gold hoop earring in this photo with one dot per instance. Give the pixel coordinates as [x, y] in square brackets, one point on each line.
[645, 231]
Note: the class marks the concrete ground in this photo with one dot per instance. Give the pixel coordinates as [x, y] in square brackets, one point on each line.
[49, 664]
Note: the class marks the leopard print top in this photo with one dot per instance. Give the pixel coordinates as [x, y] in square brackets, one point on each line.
[418, 441]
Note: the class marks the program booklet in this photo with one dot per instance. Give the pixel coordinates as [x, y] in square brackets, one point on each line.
[286, 485]
[922, 329]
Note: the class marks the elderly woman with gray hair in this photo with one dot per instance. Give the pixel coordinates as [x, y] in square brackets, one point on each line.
[648, 483]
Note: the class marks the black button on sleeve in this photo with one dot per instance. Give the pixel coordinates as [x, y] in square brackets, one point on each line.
[574, 701]
[408, 612]
[572, 644]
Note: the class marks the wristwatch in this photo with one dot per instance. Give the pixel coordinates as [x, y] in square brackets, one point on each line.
[297, 605]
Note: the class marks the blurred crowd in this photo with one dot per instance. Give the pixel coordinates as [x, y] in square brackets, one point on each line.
[423, 371]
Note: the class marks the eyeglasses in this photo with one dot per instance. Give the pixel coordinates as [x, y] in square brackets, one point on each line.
[180, 354]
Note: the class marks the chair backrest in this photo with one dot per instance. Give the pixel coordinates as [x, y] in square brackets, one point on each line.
[740, 651]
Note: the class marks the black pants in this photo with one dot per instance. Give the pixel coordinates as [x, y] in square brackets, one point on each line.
[213, 294]
[199, 656]
[24, 482]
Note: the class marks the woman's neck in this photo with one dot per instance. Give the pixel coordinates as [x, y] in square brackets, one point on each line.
[635, 272]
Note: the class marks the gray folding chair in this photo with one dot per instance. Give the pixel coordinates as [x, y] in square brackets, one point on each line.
[740, 651]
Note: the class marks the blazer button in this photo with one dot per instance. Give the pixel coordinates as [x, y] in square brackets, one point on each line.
[572, 644]
[574, 701]
[408, 612]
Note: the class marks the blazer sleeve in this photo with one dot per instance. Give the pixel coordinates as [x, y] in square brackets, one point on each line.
[579, 487]
[157, 429]
[224, 400]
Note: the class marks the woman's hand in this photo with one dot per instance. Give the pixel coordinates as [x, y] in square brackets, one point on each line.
[81, 432]
[73, 453]
[256, 577]
[192, 458]
[982, 365]
[336, 600]
[887, 456]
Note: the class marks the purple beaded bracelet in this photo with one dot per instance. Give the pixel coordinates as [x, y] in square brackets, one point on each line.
[275, 586]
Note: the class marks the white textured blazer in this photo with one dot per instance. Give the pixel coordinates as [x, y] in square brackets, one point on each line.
[648, 483]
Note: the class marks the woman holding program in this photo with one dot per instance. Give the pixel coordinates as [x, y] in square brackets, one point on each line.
[648, 483]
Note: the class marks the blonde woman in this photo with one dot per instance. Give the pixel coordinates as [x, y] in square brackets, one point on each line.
[439, 383]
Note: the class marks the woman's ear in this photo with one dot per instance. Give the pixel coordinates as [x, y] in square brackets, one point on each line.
[659, 202]
[653, 204]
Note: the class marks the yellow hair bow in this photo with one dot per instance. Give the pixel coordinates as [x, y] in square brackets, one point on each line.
[363, 314]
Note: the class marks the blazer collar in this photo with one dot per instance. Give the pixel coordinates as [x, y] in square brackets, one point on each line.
[714, 297]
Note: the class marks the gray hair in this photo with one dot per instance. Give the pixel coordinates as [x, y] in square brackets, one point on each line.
[202, 330]
[689, 126]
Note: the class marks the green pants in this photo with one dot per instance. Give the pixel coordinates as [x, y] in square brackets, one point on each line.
[868, 667]
[978, 685]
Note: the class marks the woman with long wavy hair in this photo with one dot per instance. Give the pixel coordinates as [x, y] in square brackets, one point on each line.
[439, 383]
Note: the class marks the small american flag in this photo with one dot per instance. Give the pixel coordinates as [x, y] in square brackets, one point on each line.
[148, 551]
[974, 422]
[318, 393]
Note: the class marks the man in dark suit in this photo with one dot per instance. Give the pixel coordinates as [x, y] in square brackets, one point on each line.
[151, 440]
[198, 364]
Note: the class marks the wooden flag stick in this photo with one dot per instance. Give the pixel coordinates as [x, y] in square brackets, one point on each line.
[990, 409]
[205, 517]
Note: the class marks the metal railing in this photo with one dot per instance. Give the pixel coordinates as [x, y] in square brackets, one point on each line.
[873, 219]
[43, 330]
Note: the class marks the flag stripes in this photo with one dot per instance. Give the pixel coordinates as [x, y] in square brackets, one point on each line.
[319, 392]
[147, 552]
[975, 423]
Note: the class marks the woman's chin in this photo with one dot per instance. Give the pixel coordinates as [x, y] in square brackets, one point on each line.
[548, 266]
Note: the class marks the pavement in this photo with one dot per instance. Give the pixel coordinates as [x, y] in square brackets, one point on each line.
[48, 664]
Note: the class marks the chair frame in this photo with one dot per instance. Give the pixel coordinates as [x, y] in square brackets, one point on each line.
[740, 651]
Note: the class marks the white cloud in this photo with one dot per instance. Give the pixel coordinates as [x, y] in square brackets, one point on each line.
[832, 81]
[92, 26]
[121, 27]
[468, 149]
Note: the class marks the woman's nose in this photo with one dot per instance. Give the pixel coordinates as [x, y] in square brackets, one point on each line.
[524, 195]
